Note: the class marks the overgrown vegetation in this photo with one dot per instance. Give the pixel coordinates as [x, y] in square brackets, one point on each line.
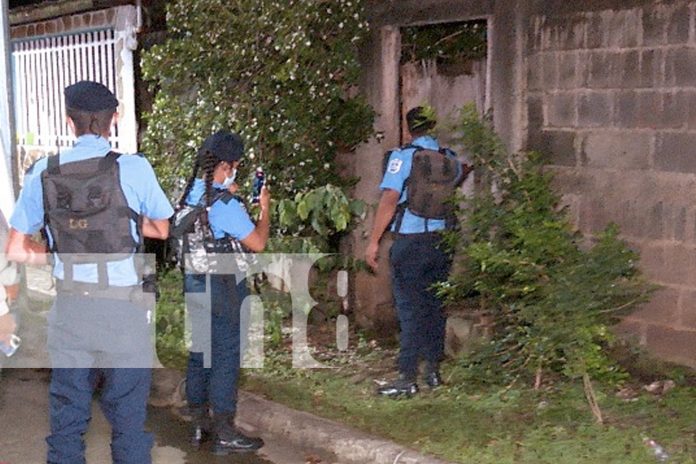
[282, 74]
[447, 43]
[552, 296]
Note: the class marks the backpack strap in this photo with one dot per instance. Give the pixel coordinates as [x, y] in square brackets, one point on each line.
[53, 165]
[109, 160]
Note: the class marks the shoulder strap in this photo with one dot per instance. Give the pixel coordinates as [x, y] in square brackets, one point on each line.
[109, 160]
[53, 165]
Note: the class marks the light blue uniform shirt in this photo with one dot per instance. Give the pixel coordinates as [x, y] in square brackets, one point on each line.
[229, 218]
[397, 172]
[142, 191]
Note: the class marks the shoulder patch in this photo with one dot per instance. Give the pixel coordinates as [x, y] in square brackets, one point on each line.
[394, 166]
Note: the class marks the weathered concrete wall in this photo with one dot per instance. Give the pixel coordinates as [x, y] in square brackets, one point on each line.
[610, 97]
[607, 90]
[446, 90]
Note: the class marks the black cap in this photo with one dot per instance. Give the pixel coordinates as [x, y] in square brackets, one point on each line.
[224, 145]
[89, 96]
[420, 119]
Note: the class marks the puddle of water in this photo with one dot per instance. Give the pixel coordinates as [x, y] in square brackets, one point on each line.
[171, 446]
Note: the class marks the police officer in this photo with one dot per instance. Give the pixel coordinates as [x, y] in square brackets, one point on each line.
[216, 324]
[416, 263]
[95, 337]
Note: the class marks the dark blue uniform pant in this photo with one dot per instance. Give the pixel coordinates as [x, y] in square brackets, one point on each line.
[105, 342]
[216, 385]
[416, 264]
[123, 400]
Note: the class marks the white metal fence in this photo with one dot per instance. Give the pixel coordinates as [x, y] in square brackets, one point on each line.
[42, 68]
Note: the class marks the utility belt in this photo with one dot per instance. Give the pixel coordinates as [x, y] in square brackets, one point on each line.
[436, 234]
[136, 294]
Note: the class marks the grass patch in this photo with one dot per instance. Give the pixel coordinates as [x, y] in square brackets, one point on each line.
[469, 423]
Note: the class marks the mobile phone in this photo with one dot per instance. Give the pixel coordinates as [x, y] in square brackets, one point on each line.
[259, 181]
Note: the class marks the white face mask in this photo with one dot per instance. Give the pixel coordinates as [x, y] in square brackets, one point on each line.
[229, 180]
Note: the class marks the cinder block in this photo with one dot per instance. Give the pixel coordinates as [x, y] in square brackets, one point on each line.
[678, 24]
[654, 22]
[595, 109]
[558, 147]
[568, 75]
[613, 29]
[550, 71]
[672, 344]
[652, 260]
[618, 150]
[626, 109]
[689, 97]
[534, 32]
[561, 110]
[687, 309]
[676, 152]
[631, 329]
[567, 32]
[649, 115]
[674, 112]
[680, 67]
[601, 73]
[663, 307]
[628, 22]
[535, 113]
[594, 30]
[680, 264]
[650, 68]
[627, 65]
[679, 223]
[535, 72]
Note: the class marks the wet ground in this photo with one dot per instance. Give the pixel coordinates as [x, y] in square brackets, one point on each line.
[24, 425]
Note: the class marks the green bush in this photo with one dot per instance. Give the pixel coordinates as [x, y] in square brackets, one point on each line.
[281, 73]
[551, 293]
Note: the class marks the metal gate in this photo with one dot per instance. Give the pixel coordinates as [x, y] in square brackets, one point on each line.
[43, 66]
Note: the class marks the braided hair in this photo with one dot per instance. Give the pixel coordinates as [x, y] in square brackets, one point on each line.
[189, 183]
[208, 162]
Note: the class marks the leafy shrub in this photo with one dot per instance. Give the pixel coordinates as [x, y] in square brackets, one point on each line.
[281, 73]
[552, 296]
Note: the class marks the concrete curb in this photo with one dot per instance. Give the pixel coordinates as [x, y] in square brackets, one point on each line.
[351, 446]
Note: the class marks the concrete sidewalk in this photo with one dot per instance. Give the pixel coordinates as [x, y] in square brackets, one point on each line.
[351, 446]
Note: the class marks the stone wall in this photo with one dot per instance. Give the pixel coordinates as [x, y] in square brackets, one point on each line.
[611, 99]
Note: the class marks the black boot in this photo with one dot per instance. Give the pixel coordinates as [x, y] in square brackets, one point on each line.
[404, 386]
[229, 440]
[432, 376]
[200, 426]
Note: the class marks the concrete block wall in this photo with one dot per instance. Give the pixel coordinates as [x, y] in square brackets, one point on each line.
[611, 99]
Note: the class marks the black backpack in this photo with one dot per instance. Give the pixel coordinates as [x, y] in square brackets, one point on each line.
[87, 215]
[432, 182]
